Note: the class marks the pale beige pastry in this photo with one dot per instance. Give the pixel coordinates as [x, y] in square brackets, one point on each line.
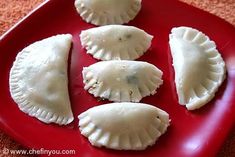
[115, 42]
[38, 80]
[105, 12]
[199, 67]
[122, 81]
[123, 126]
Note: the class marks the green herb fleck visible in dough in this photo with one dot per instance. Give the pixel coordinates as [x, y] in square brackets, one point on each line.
[132, 79]
[126, 37]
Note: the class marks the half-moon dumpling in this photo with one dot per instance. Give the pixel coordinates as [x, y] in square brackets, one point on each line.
[123, 126]
[38, 80]
[115, 42]
[199, 67]
[104, 12]
[122, 80]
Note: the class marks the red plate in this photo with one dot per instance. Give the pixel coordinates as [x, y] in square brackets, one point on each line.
[195, 133]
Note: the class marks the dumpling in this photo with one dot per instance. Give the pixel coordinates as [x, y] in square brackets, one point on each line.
[104, 12]
[38, 80]
[122, 81]
[124, 126]
[199, 67]
[115, 42]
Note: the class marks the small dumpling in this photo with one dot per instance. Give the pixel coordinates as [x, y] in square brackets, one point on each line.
[105, 12]
[124, 126]
[199, 67]
[122, 81]
[38, 80]
[116, 42]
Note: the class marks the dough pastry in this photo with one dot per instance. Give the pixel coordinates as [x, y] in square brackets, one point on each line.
[199, 67]
[115, 42]
[104, 12]
[123, 126]
[122, 80]
[38, 80]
